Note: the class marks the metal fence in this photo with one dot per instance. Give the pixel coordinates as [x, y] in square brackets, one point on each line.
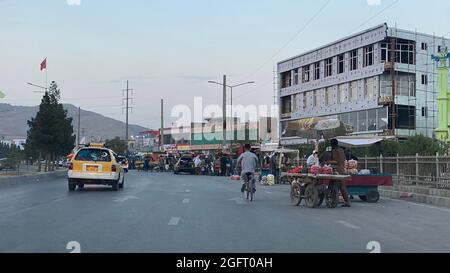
[430, 171]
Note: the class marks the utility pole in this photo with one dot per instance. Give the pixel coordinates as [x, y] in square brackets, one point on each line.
[162, 127]
[224, 106]
[78, 130]
[127, 112]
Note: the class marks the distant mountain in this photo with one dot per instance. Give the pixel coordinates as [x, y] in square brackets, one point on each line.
[13, 122]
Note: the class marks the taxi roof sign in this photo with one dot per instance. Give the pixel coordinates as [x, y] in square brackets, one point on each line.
[96, 145]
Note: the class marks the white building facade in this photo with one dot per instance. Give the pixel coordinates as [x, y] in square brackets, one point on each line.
[381, 81]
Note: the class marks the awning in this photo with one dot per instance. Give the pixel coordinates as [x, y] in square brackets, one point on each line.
[361, 142]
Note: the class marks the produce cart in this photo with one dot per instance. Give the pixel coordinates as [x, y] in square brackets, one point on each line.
[315, 189]
[366, 186]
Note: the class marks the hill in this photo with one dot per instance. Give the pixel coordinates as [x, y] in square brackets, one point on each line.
[13, 122]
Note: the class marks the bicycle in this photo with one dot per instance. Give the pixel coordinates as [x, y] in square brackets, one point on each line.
[250, 191]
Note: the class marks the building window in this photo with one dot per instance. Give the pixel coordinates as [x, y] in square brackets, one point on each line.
[383, 121]
[425, 112]
[341, 64]
[329, 67]
[362, 121]
[369, 88]
[424, 46]
[404, 52]
[424, 79]
[342, 93]
[316, 98]
[306, 74]
[406, 117]
[353, 60]
[295, 76]
[368, 55]
[305, 100]
[353, 92]
[353, 120]
[286, 79]
[372, 120]
[317, 71]
[385, 54]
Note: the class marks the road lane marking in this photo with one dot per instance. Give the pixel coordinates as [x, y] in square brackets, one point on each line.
[174, 221]
[186, 201]
[239, 200]
[418, 205]
[125, 198]
[188, 191]
[347, 224]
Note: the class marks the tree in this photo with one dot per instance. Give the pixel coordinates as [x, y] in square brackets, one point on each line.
[117, 145]
[14, 156]
[51, 131]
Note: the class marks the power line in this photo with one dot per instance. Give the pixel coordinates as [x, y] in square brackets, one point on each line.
[376, 15]
[303, 28]
[365, 22]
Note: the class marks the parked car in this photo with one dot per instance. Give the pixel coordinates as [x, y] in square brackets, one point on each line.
[185, 165]
[5, 166]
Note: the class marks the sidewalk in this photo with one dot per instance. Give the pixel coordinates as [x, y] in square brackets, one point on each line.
[418, 194]
[31, 177]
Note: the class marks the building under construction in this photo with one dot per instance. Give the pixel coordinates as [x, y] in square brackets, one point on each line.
[382, 81]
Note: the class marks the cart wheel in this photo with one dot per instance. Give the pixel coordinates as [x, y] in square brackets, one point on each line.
[296, 194]
[373, 197]
[311, 196]
[332, 196]
[321, 198]
[363, 198]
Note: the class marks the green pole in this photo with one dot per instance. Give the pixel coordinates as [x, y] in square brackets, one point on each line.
[443, 131]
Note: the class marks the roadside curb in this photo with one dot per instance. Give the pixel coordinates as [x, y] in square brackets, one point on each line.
[434, 200]
[33, 178]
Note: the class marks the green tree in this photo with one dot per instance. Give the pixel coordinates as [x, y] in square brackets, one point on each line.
[14, 156]
[50, 133]
[117, 145]
[422, 145]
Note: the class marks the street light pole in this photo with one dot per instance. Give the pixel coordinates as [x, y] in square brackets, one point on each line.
[224, 137]
[225, 86]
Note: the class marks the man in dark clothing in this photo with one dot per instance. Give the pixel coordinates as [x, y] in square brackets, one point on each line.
[338, 159]
[223, 165]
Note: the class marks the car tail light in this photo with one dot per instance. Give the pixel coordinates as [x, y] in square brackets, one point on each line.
[114, 168]
[71, 166]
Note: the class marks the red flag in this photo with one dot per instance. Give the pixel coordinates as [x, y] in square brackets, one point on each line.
[44, 64]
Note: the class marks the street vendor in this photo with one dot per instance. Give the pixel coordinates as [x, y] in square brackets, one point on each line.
[313, 159]
[338, 159]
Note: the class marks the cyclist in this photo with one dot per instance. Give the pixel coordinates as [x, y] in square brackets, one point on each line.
[248, 162]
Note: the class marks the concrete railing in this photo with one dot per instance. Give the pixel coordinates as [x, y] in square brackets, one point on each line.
[31, 178]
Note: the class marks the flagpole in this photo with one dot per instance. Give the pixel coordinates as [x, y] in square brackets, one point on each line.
[46, 76]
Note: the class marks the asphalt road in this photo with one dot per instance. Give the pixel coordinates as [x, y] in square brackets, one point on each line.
[180, 213]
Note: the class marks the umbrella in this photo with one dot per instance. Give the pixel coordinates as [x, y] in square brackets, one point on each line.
[317, 128]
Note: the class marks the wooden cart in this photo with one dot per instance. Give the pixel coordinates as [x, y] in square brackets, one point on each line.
[315, 189]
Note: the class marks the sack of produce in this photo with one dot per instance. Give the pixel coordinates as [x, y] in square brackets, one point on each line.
[315, 170]
[270, 180]
[327, 170]
[235, 178]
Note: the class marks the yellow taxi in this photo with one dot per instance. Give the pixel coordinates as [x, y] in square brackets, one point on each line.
[95, 165]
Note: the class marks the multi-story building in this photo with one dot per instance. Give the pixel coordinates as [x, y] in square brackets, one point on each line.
[382, 81]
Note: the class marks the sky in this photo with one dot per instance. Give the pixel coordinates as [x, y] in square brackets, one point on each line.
[170, 49]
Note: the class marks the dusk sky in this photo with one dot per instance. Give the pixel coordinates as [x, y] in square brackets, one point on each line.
[170, 49]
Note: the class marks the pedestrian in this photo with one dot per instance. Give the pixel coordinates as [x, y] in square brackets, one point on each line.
[223, 165]
[313, 159]
[274, 166]
[338, 159]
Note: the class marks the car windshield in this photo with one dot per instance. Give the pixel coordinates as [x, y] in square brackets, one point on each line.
[97, 155]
